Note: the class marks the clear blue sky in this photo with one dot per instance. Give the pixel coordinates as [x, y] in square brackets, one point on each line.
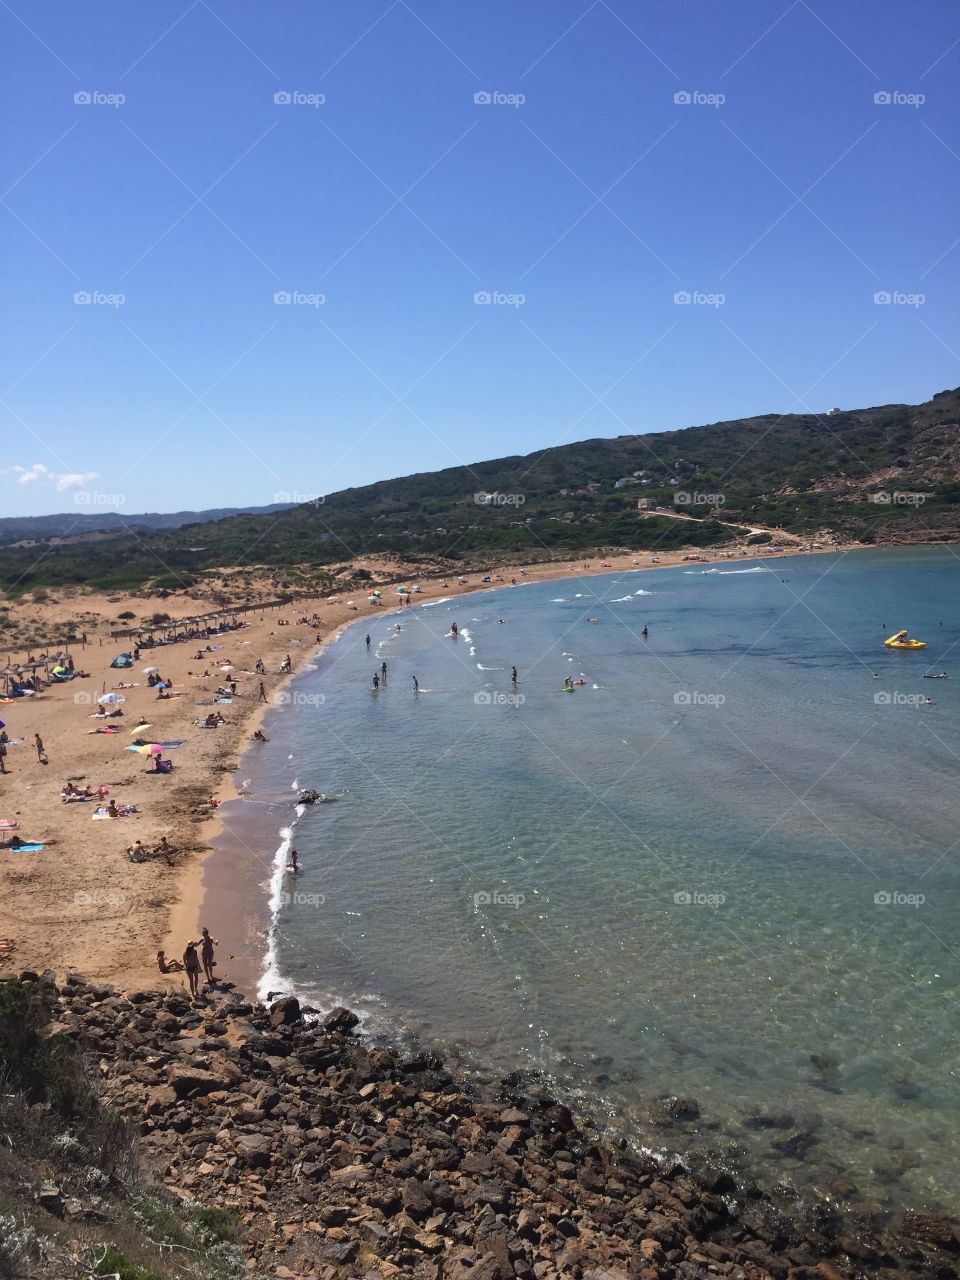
[598, 198]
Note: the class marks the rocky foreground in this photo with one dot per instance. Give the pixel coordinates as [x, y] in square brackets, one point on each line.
[342, 1159]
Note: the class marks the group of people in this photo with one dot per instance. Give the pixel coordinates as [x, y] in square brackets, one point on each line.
[192, 963]
[138, 851]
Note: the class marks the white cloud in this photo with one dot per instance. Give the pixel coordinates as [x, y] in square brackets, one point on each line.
[75, 479]
[60, 480]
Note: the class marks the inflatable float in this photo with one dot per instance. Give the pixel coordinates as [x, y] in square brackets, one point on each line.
[902, 641]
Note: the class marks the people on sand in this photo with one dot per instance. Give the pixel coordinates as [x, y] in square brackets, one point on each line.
[168, 966]
[207, 943]
[191, 965]
[38, 743]
[259, 736]
[263, 693]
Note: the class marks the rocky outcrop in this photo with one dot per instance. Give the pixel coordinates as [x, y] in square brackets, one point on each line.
[343, 1159]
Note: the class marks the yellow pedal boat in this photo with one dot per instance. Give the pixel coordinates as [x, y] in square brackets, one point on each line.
[902, 641]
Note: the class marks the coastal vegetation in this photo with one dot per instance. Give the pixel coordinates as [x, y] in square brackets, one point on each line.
[76, 1199]
[883, 475]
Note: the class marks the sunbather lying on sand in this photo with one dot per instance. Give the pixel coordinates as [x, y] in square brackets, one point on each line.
[72, 792]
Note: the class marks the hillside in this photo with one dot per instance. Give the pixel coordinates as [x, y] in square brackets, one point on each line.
[889, 474]
[79, 524]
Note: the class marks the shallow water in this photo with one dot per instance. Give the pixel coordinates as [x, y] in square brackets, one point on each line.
[724, 867]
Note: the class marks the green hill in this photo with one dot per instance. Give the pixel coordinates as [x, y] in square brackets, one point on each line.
[885, 474]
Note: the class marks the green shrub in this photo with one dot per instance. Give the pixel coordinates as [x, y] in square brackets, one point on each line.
[114, 1262]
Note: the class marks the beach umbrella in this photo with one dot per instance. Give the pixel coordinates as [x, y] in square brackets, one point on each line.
[149, 749]
[106, 698]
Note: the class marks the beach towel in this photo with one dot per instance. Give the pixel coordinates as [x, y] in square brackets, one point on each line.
[26, 848]
[172, 746]
[112, 729]
[73, 799]
[9, 824]
[123, 811]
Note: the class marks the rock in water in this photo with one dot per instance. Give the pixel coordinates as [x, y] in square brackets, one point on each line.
[340, 1019]
[285, 1011]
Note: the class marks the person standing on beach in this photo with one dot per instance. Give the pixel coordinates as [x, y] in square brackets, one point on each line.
[38, 743]
[206, 953]
[263, 693]
[191, 965]
[3, 757]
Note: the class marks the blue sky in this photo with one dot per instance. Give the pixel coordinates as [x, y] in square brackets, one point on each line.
[626, 154]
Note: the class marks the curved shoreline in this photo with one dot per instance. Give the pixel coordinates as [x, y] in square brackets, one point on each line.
[213, 878]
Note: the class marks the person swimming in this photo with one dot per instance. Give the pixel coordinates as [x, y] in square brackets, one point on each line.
[293, 866]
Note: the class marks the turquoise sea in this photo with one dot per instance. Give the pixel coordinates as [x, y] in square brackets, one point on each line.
[724, 868]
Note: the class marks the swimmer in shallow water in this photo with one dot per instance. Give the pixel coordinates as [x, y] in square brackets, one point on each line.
[293, 865]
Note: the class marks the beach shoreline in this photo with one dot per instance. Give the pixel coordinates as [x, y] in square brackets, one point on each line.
[214, 898]
[90, 909]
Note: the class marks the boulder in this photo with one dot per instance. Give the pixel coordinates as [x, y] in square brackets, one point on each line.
[285, 1011]
[187, 1080]
[340, 1019]
[930, 1228]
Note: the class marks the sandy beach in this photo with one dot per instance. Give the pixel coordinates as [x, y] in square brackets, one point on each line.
[81, 903]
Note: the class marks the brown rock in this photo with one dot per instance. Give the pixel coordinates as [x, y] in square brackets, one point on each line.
[928, 1227]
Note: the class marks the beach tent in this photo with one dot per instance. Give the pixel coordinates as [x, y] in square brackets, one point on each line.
[122, 660]
[106, 698]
